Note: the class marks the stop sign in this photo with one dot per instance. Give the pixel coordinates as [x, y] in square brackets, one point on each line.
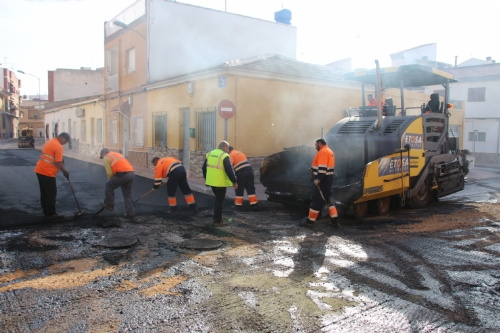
[226, 109]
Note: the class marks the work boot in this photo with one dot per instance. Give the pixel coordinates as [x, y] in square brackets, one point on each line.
[306, 223]
[172, 210]
[220, 223]
[105, 206]
[334, 222]
[238, 207]
[129, 217]
[54, 217]
[194, 208]
[255, 207]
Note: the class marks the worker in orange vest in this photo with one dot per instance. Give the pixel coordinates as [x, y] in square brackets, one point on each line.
[373, 101]
[120, 174]
[322, 170]
[245, 176]
[174, 171]
[46, 169]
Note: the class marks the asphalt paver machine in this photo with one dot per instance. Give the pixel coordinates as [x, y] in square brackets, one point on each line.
[381, 160]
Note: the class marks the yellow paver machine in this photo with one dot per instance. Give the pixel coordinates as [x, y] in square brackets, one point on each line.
[383, 156]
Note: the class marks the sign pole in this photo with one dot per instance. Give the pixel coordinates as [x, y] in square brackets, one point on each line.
[225, 129]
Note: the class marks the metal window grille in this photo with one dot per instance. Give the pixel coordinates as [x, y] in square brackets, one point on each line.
[69, 127]
[454, 131]
[160, 129]
[83, 130]
[98, 125]
[138, 132]
[206, 128]
[113, 132]
[74, 130]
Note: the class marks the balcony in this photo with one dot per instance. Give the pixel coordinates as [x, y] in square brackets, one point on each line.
[112, 83]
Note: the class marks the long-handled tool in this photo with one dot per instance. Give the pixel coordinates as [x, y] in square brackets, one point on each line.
[142, 196]
[148, 193]
[324, 210]
[80, 212]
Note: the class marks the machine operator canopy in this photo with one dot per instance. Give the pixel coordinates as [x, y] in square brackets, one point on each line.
[408, 75]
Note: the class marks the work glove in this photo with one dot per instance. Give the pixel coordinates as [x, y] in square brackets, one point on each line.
[316, 182]
[66, 174]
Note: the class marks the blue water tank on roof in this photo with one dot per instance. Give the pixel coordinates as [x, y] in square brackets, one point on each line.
[283, 16]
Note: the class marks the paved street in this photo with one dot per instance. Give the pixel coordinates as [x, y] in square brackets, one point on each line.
[430, 270]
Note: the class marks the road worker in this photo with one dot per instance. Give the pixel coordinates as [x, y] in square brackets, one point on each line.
[322, 170]
[245, 176]
[219, 175]
[373, 101]
[120, 174]
[174, 171]
[46, 169]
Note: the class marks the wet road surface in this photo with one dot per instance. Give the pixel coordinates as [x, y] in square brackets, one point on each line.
[430, 270]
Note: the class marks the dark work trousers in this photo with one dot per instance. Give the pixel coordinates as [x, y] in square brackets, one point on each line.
[125, 181]
[220, 194]
[326, 188]
[178, 178]
[48, 194]
[245, 182]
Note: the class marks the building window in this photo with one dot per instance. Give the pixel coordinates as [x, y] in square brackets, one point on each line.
[3, 122]
[92, 129]
[69, 127]
[481, 136]
[130, 61]
[83, 131]
[98, 125]
[160, 129]
[205, 128]
[113, 132]
[476, 94]
[74, 130]
[138, 132]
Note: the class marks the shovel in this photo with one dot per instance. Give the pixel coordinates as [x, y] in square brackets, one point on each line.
[80, 212]
[142, 196]
[324, 210]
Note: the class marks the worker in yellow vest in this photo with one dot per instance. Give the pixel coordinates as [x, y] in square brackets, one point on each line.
[219, 175]
[120, 174]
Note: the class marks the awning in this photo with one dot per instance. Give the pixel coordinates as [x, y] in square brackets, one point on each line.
[122, 107]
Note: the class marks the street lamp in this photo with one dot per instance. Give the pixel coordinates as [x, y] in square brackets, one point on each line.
[125, 26]
[39, 96]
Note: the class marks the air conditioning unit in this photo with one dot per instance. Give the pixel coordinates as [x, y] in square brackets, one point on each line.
[80, 112]
[130, 100]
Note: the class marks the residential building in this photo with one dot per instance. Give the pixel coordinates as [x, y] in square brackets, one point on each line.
[10, 99]
[153, 40]
[479, 85]
[65, 84]
[81, 118]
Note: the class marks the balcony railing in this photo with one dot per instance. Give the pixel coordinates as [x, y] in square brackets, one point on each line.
[129, 70]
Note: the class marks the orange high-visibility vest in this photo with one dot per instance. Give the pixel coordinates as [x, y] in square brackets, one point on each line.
[164, 167]
[52, 152]
[238, 160]
[324, 162]
[119, 163]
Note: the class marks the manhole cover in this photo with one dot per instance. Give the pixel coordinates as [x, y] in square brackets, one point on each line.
[118, 242]
[201, 244]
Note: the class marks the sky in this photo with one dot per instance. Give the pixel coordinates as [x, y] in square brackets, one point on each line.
[37, 36]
